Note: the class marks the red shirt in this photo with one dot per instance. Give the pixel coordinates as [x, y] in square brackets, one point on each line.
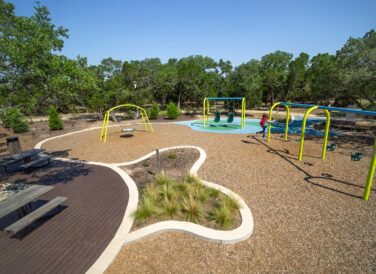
[263, 121]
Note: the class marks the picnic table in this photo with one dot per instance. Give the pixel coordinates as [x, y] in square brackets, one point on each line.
[21, 202]
[24, 160]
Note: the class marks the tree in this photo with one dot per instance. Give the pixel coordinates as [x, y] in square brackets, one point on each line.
[297, 83]
[247, 82]
[54, 120]
[274, 71]
[14, 119]
[26, 46]
[357, 64]
[324, 79]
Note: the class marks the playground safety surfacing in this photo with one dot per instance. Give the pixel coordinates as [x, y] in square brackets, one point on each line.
[251, 126]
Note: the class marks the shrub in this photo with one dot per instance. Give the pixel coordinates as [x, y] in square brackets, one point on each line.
[154, 111]
[14, 119]
[171, 155]
[192, 209]
[173, 111]
[54, 120]
[221, 216]
[145, 210]
[162, 179]
[231, 202]
[169, 208]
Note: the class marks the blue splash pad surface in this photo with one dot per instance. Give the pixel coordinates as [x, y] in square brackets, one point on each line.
[252, 126]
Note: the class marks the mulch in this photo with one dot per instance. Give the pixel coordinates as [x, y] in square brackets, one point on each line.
[309, 215]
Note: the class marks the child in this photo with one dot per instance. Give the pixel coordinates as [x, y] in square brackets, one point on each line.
[263, 121]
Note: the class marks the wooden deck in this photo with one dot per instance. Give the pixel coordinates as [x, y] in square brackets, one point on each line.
[72, 240]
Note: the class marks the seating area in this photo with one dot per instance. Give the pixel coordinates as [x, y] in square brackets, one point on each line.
[22, 203]
[25, 160]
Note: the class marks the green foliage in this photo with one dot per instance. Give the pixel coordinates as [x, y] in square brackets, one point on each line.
[357, 68]
[54, 120]
[171, 155]
[162, 179]
[14, 119]
[33, 75]
[247, 81]
[221, 216]
[190, 200]
[154, 111]
[274, 69]
[192, 209]
[297, 81]
[144, 210]
[173, 111]
[152, 193]
[169, 208]
[213, 193]
[231, 202]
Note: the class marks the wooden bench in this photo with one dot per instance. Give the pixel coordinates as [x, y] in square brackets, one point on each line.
[22, 198]
[35, 215]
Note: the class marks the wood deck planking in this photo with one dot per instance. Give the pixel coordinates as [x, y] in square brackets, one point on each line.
[72, 240]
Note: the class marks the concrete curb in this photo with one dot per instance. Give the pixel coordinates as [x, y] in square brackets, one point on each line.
[243, 232]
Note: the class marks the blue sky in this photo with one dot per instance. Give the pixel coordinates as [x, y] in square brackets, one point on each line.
[237, 30]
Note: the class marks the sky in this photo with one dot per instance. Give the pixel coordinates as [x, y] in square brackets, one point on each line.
[235, 30]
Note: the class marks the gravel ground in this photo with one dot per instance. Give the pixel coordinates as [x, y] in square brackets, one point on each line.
[309, 215]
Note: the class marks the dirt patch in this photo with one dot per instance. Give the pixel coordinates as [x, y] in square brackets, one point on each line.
[175, 163]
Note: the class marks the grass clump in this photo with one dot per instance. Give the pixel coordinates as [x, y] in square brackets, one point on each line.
[169, 208]
[221, 216]
[188, 200]
[171, 155]
[231, 202]
[192, 209]
[145, 210]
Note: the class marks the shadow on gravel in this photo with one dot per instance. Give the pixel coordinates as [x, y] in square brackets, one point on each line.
[315, 180]
[55, 173]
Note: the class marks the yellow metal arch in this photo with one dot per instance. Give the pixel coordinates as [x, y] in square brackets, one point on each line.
[371, 173]
[144, 116]
[303, 132]
[271, 118]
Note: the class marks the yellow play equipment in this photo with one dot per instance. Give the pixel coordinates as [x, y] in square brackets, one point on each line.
[326, 109]
[144, 117]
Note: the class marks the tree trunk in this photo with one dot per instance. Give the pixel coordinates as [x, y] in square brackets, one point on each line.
[180, 94]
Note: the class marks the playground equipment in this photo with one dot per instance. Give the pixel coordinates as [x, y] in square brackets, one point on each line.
[355, 156]
[230, 116]
[142, 112]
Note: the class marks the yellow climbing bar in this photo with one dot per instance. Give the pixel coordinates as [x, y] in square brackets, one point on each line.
[271, 118]
[145, 120]
[371, 173]
[301, 146]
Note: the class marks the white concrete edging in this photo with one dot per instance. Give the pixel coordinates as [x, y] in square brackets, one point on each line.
[241, 233]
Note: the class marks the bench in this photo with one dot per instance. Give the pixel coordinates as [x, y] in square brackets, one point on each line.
[35, 215]
[22, 198]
